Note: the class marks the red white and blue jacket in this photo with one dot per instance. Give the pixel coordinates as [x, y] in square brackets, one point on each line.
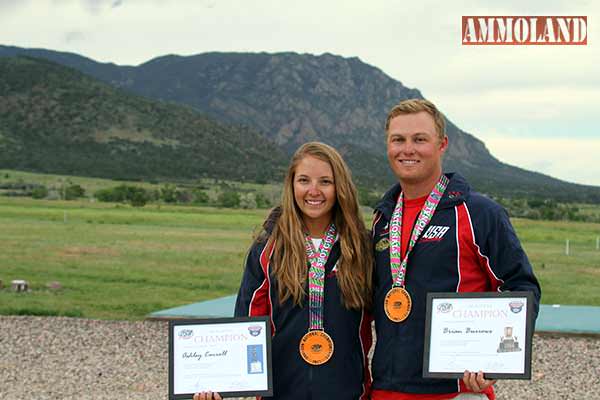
[346, 375]
[468, 246]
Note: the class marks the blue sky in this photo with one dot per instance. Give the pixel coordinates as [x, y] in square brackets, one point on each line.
[534, 106]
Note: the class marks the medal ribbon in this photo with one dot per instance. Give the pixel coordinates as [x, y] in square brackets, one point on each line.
[397, 264]
[316, 276]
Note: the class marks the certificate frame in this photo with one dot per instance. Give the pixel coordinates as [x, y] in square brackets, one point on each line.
[526, 322]
[192, 325]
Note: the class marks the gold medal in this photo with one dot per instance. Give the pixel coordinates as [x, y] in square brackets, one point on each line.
[316, 347]
[397, 304]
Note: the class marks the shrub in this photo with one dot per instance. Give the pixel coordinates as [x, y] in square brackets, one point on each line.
[366, 198]
[248, 201]
[73, 192]
[136, 196]
[168, 193]
[39, 192]
[200, 196]
[262, 201]
[229, 199]
[184, 196]
[110, 194]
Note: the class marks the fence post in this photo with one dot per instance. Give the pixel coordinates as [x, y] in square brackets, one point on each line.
[567, 247]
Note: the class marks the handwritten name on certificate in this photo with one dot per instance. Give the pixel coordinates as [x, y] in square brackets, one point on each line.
[489, 332]
[229, 356]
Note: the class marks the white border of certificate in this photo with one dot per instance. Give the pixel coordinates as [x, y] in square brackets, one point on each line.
[231, 356]
[488, 331]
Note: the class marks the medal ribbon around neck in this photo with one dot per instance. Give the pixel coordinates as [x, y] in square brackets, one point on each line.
[316, 276]
[397, 264]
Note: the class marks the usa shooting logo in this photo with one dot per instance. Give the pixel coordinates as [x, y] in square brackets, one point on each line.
[444, 307]
[185, 334]
[254, 330]
[516, 306]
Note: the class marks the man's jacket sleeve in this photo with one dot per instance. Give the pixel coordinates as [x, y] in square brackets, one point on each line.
[507, 259]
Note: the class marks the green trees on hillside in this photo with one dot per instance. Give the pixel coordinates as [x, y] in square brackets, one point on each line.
[56, 120]
[546, 209]
[226, 197]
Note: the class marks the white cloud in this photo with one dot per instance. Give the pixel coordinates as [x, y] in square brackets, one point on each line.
[552, 110]
[74, 36]
[573, 160]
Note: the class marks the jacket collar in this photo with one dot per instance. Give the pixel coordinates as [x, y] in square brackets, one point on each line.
[457, 191]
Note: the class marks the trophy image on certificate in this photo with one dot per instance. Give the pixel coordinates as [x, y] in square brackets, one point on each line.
[508, 343]
[255, 365]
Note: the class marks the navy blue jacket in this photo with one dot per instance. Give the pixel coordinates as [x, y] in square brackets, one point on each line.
[345, 376]
[468, 246]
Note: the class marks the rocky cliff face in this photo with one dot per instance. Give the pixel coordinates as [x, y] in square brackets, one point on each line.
[290, 97]
[295, 98]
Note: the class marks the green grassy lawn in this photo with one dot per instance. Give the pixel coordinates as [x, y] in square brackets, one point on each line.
[118, 262]
[572, 279]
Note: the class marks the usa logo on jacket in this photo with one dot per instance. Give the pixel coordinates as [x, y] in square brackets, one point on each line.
[434, 233]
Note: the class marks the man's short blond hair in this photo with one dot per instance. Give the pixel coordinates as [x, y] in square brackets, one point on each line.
[413, 106]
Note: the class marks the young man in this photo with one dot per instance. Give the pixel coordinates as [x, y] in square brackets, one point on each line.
[461, 242]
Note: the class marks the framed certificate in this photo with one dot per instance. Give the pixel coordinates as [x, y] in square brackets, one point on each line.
[489, 332]
[231, 356]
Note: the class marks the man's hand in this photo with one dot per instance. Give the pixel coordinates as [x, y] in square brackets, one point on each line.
[207, 396]
[475, 381]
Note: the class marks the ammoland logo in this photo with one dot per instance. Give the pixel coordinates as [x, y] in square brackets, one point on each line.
[524, 30]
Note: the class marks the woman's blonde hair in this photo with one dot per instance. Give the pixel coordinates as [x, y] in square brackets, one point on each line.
[290, 263]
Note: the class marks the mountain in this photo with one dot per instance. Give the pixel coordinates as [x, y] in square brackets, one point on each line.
[56, 119]
[291, 98]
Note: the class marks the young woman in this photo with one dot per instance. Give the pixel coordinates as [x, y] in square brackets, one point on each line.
[310, 271]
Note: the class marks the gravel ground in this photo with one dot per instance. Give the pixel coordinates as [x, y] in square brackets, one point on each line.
[69, 358]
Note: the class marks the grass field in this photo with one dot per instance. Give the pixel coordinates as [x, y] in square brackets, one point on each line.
[118, 262]
[565, 279]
